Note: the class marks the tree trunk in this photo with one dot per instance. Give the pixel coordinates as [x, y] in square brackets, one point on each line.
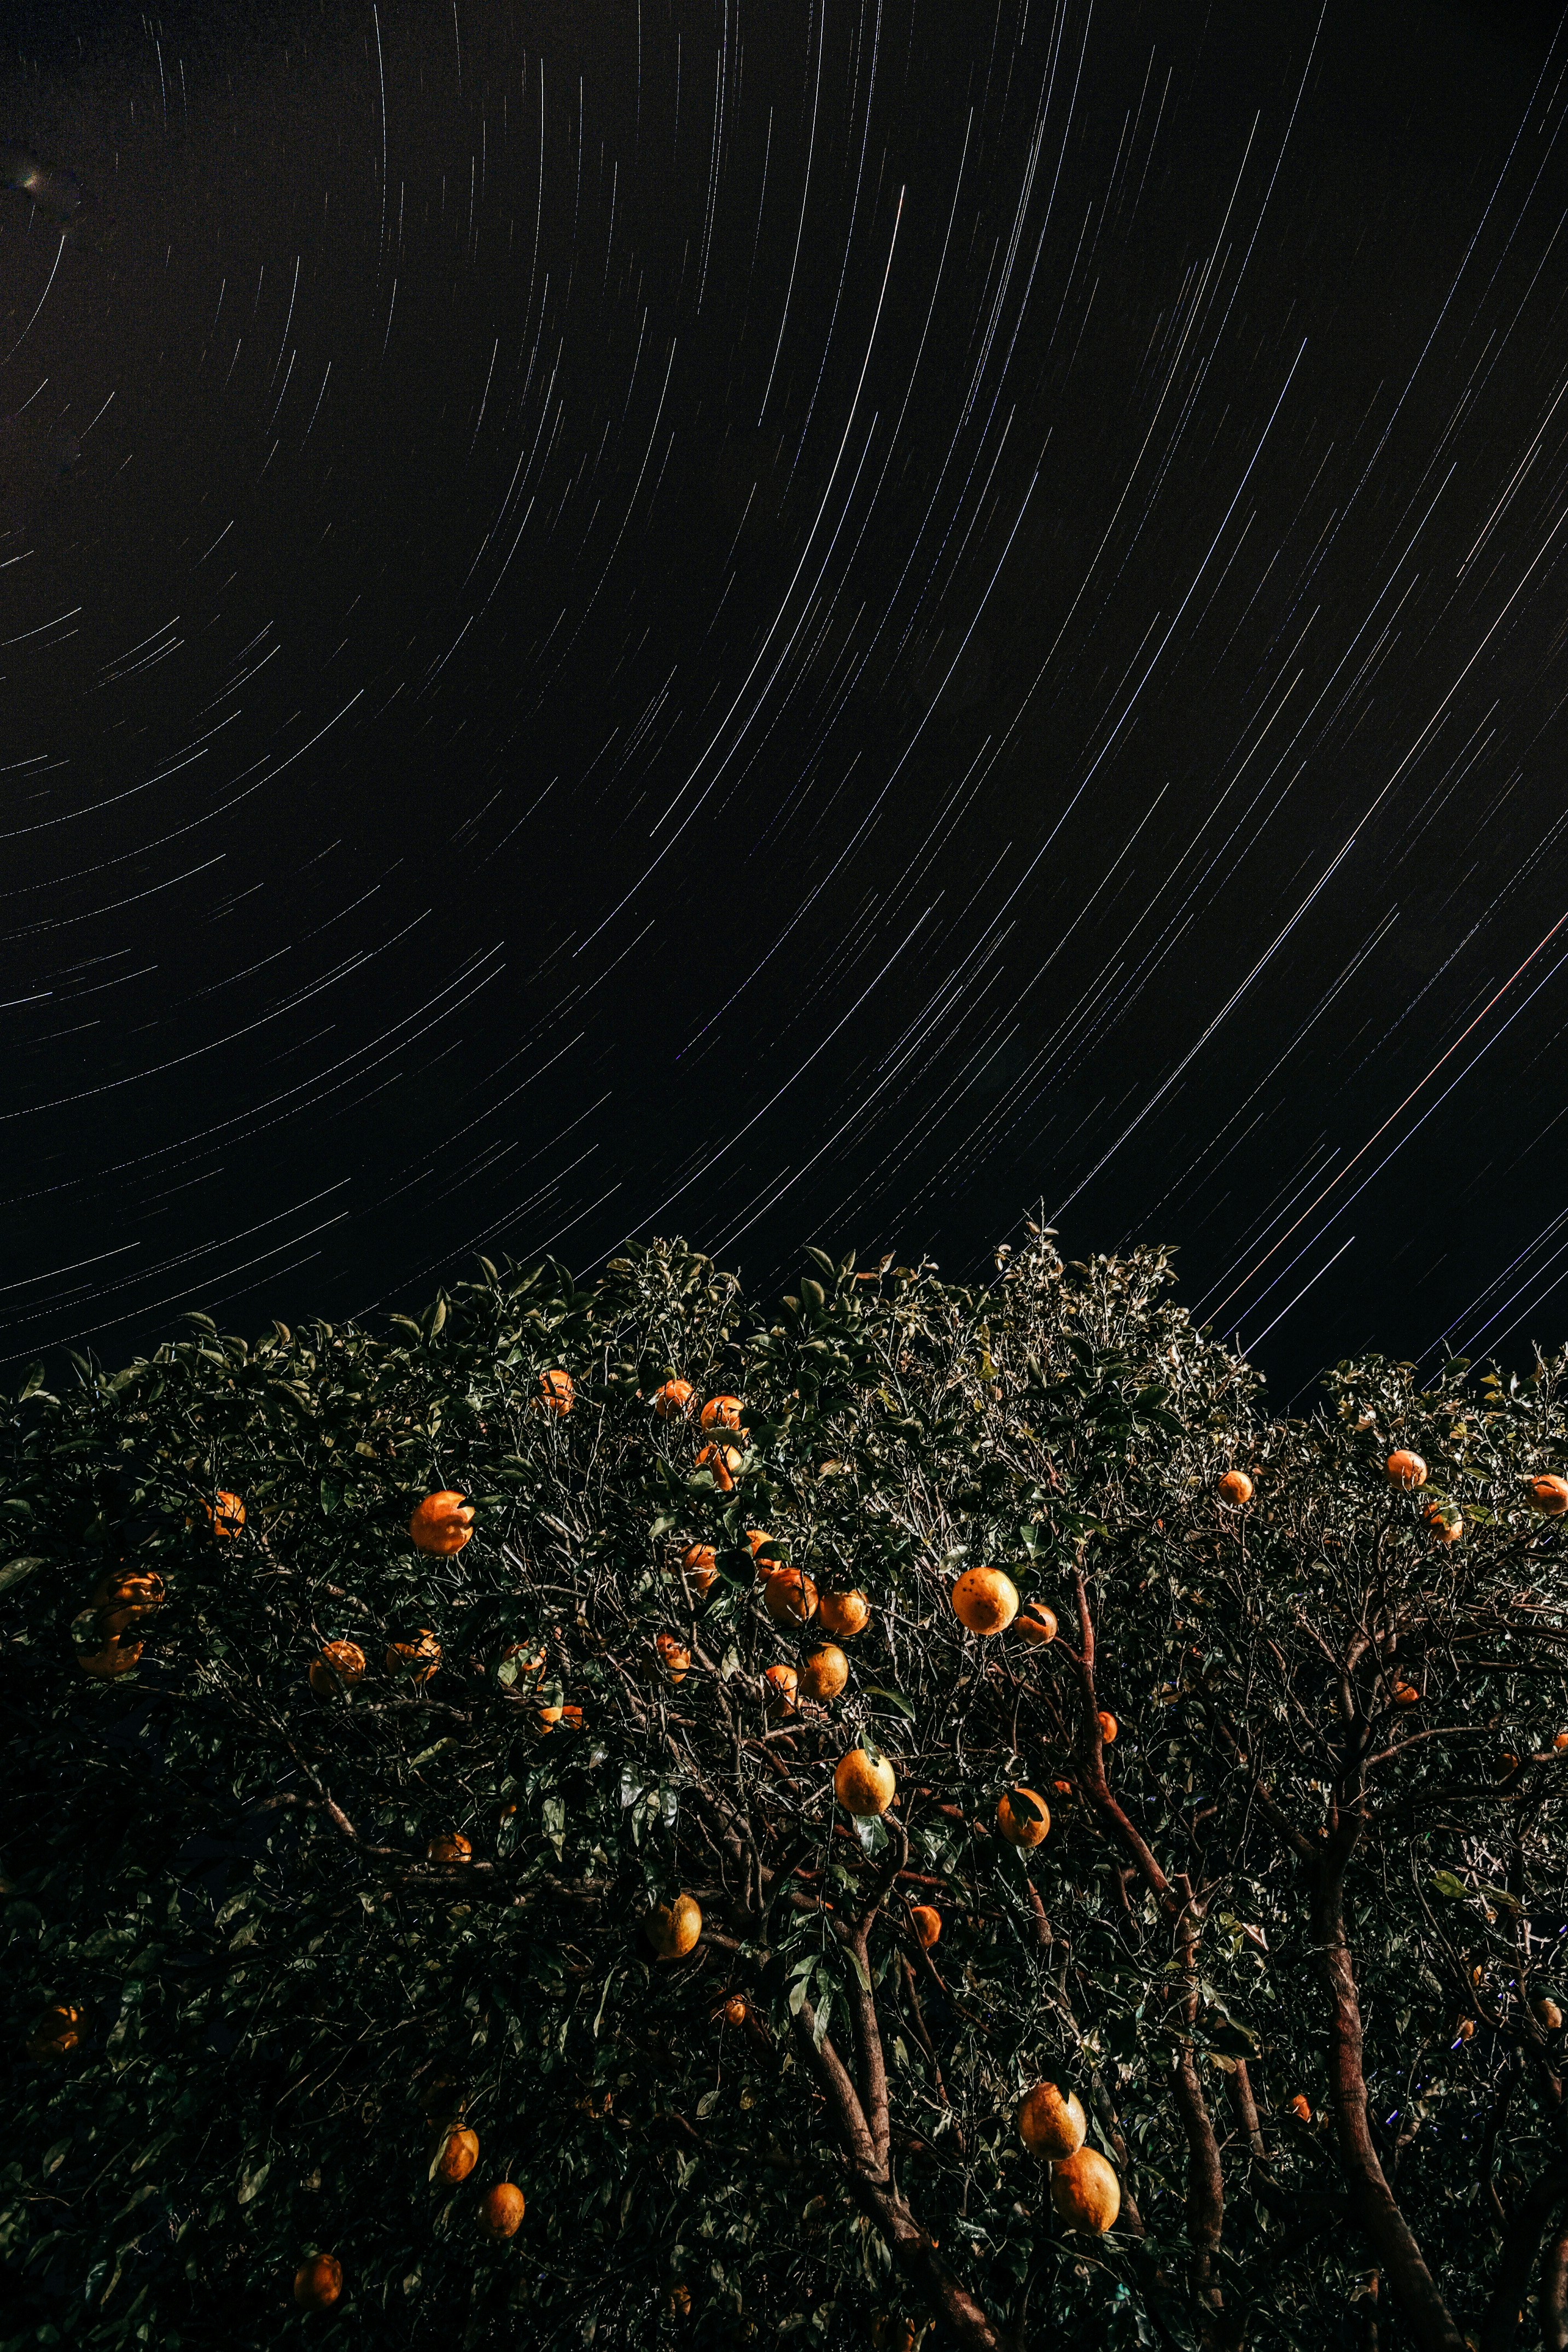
[1521, 2250]
[945, 2296]
[1554, 2292]
[1402, 2263]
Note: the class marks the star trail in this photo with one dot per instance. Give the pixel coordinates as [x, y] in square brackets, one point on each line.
[841, 622]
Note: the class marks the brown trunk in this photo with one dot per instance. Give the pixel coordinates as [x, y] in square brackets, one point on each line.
[1521, 2251]
[915, 2255]
[1554, 2292]
[1247, 2110]
[1205, 2179]
[1402, 2263]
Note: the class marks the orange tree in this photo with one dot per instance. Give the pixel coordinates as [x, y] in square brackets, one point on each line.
[603, 1816]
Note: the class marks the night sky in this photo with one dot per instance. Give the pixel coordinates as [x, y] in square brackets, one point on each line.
[823, 622]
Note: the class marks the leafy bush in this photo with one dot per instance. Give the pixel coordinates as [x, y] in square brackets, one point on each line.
[1295, 1936]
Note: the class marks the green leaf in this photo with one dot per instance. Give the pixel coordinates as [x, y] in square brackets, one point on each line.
[1445, 1883]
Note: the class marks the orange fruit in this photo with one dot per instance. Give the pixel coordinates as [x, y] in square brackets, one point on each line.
[843, 1613]
[724, 1461]
[571, 1718]
[318, 2283]
[1301, 2107]
[889, 2333]
[672, 1657]
[1052, 2122]
[721, 1412]
[1445, 1523]
[1086, 2192]
[701, 1564]
[1236, 1487]
[341, 1666]
[114, 1658]
[1036, 1623]
[862, 1785]
[826, 1673]
[442, 1523]
[1465, 2030]
[673, 1399]
[1023, 1824]
[416, 1659]
[779, 1684]
[1549, 1495]
[450, 1846]
[679, 2305]
[1561, 1742]
[673, 1928]
[1107, 1726]
[1405, 1469]
[123, 1597]
[459, 2155]
[926, 1923]
[56, 2033]
[984, 1600]
[556, 1395]
[501, 2209]
[225, 1513]
[764, 1551]
[1406, 1694]
[789, 1597]
[736, 2011]
[1548, 2015]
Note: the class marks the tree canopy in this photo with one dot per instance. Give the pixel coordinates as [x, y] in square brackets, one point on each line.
[355, 1876]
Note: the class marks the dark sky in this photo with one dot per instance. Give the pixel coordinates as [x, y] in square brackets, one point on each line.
[808, 621]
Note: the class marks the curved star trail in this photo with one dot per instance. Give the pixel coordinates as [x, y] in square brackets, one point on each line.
[834, 622]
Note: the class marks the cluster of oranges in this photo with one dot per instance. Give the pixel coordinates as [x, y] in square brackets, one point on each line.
[318, 2283]
[1084, 2189]
[1547, 1493]
[107, 1633]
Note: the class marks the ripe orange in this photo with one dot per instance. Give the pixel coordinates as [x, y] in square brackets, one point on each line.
[442, 1523]
[673, 1928]
[501, 2209]
[701, 1564]
[123, 1597]
[1301, 2107]
[1549, 1495]
[984, 1600]
[556, 1394]
[1548, 2015]
[225, 1513]
[721, 1412]
[672, 1657]
[56, 2033]
[673, 1399]
[459, 2155]
[1036, 1623]
[450, 1846]
[843, 1613]
[1445, 1523]
[724, 1461]
[1561, 1742]
[1236, 1487]
[862, 1785]
[789, 1597]
[1465, 2030]
[736, 2011]
[318, 2283]
[1406, 1694]
[114, 1658]
[1406, 1469]
[415, 1660]
[1107, 1726]
[826, 1673]
[341, 1666]
[679, 2305]
[764, 1551]
[926, 1923]
[1086, 2192]
[1052, 2122]
[779, 1684]
[1024, 1824]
